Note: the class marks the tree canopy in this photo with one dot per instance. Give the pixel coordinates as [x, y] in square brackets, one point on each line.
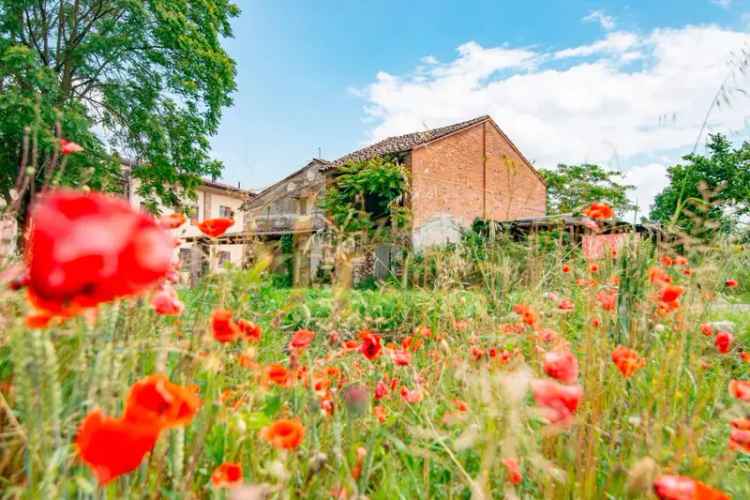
[148, 78]
[707, 192]
[572, 187]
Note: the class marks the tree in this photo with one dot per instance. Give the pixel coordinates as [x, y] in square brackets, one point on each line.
[707, 193]
[145, 77]
[572, 187]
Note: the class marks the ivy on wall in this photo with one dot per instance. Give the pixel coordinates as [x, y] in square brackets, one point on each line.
[368, 196]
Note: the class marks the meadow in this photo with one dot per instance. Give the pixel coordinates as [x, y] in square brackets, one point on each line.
[492, 369]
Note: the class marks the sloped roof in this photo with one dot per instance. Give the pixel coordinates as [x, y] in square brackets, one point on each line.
[258, 198]
[402, 143]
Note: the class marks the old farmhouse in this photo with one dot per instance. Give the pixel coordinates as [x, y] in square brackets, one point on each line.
[458, 173]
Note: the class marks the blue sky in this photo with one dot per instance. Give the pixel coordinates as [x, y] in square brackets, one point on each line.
[334, 75]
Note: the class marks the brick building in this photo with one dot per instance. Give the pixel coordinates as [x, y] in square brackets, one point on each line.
[458, 173]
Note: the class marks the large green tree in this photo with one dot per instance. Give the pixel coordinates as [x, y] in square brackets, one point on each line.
[708, 192]
[572, 187]
[148, 78]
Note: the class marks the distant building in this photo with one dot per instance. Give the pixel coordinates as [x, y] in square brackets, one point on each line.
[214, 199]
[458, 173]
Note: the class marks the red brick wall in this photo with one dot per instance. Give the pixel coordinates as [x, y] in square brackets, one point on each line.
[448, 175]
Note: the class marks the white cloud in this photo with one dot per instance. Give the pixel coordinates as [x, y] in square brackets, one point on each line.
[724, 4]
[559, 109]
[649, 180]
[606, 22]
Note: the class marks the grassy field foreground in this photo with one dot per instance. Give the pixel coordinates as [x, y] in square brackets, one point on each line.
[508, 383]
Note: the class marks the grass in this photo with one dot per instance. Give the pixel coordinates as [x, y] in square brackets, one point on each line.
[672, 416]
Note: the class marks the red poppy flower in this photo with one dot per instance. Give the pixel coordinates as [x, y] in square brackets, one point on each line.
[411, 396]
[658, 275]
[401, 358]
[284, 434]
[723, 341]
[594, 268]
[680, 261]
[607, 299]
[301, 339]
[685, 488]
[69, 147]
[730, 283]
[227, 475]
[381, 390]
[739, 435]
[527, 314]
[670, 293]
[707, 329]
[379, 413]
[215, 227]
[156, 401]
[599, 211]
[565, 268]
[512, 471]
[627, 361]
[249, 330]
[88, 248]
[666, 261]
[561, 365]
[278, 374]
[113, 446]
[558, 401]
[745, 356]
[172, 221]
[740, 389]
[370, 346]
[223, 326]
[566, 305]
[166, 303]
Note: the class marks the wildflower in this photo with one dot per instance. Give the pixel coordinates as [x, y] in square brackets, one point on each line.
[278, 374]
[685, 488]
[112, 447]
[596, 322]
[166, 303]
[401, 358]
[599, 211]
[594, 268]
[512, 471]
[227, 475]
[223, 326]
[284, 434]
[670, 293]
[301, 339]
[657, 275]
[357, 469]
[723, 341]
[739, 435]
[680, 261]
[730, 283]
[607, 299]
[476, 353]
[250, 331]
[460, 405]
[558, 401]
[666, 261]
[381, 390]
[745, 356]
[411, 396]
[565, 268]
[88, 248]
[627, 361]
[740, 389]
[566, 305]
[707, 329]
[370, 346]
[215, 227]
[527, 314]
[562, 366]
[172, 221]
[379, 413]
[69, 147]
[156, 401]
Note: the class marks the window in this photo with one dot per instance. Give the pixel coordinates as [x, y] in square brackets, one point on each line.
[303, 206]
[226, 212]
[185, 259]
[224, 256]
